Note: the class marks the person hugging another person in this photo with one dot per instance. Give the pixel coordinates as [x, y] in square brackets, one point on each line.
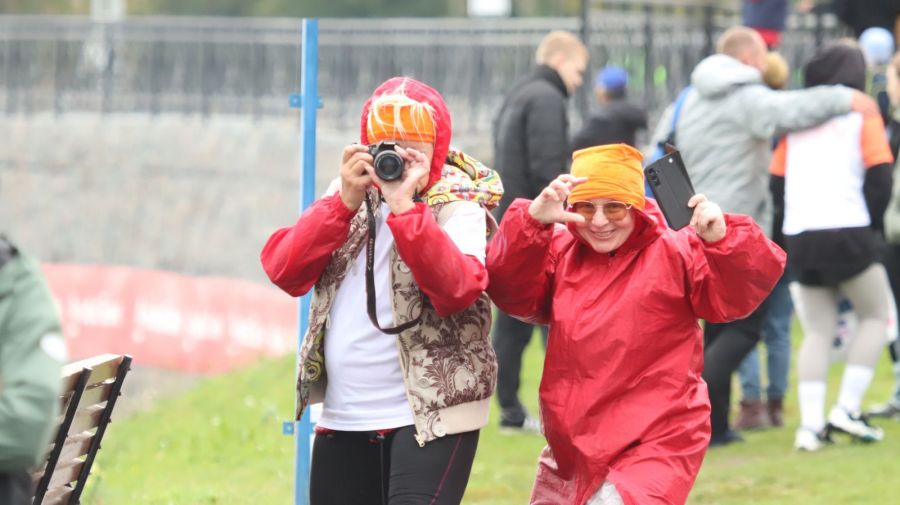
[624, 408]
[403, 405]
[834, 182]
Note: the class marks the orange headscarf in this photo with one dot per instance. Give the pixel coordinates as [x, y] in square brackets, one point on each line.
[613, 171]
[422, 94]
[400, 119]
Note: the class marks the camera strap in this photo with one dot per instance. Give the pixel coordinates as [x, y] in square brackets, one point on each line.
[370, 278]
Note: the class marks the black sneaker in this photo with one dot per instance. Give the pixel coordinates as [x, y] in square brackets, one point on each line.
[727, 438]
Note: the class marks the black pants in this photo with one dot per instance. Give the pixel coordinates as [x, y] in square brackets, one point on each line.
[892, 265]
[360, 468]
[511, 336]
[725, 346]
[15, 488]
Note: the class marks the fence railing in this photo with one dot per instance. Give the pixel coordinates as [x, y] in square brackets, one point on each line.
[248, 66]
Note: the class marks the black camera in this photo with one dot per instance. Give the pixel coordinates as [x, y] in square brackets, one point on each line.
[388, 164]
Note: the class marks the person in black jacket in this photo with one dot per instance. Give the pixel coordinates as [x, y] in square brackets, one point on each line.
[862, 14]
[616, 121]
[531, 148]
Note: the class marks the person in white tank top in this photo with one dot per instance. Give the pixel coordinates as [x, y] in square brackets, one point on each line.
[831, 185]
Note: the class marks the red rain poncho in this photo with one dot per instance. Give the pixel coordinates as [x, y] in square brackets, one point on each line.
[621, 395]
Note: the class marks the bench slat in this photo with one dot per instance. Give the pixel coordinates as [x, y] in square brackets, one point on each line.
[86, 419]
[58, 496]
[65, 474]
[97, 394]
[104, 366]
[94, 394]
[76, 446]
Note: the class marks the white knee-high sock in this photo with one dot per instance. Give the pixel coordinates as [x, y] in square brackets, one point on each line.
[811, 396]
[853, 386]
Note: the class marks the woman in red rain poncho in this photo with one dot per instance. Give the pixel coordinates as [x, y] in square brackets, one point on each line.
[624, 409]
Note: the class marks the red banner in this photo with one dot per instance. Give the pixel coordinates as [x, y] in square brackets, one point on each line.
[169, 320]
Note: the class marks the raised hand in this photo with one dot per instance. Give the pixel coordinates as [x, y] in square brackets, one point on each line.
[708, 219]
[399, 193]
[548, 207]
[355, 179]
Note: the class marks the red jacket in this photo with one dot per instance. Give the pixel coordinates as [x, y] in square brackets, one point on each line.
[621, 395]
[294, 257]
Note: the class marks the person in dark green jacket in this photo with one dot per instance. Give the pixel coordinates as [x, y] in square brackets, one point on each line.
[32, 352]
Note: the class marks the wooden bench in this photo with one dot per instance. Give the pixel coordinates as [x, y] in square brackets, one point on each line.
[89, 393]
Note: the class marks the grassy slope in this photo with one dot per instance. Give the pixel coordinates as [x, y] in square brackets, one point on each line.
[221, 444]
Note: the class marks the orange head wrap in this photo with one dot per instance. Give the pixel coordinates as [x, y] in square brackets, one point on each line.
[613, 171]
[418, 98]
[399, 118]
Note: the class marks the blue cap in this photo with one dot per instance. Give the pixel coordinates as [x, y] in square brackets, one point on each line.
[611, 78]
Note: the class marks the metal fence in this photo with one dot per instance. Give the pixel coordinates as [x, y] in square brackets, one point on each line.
[249, 66]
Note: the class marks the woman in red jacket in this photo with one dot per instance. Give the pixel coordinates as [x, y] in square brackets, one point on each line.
[624, 408]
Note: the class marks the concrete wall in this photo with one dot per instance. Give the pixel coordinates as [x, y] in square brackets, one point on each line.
[182, 193]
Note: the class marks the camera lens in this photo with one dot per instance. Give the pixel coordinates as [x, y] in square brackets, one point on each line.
[388, 165]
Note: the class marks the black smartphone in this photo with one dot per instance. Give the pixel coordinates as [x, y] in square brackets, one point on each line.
[672, 188]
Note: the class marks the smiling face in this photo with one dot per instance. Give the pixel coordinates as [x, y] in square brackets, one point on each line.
[603, 234]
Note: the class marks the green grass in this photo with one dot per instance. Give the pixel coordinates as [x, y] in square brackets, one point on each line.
[221, 443]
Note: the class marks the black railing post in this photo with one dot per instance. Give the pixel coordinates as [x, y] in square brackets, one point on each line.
[649, 60]
[154, 76]
[58, 76]
[581, 94]
[819, 27]
[11, 65]
[708, 29]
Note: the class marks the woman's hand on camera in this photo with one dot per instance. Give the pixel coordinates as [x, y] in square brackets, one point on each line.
[356, 164]
[399, 193]
[708, 219]
[548, 208]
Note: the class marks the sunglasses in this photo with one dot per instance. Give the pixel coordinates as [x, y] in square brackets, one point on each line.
[613, 211]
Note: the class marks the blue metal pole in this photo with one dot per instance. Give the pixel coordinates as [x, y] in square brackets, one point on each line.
[309, 102]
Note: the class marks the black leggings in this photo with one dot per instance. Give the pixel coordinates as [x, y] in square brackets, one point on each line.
[725, 346]
[362, 468]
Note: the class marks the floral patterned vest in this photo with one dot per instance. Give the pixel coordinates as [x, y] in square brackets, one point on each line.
[448, 365]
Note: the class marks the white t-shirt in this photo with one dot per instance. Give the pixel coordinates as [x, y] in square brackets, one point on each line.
[824, 170]
[365, 383]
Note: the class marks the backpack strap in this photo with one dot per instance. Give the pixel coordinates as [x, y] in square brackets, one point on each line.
[676, 112]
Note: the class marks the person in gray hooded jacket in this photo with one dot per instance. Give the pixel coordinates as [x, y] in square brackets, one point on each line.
[724, 133]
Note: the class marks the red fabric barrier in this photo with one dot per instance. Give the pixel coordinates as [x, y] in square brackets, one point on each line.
[169, 320]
